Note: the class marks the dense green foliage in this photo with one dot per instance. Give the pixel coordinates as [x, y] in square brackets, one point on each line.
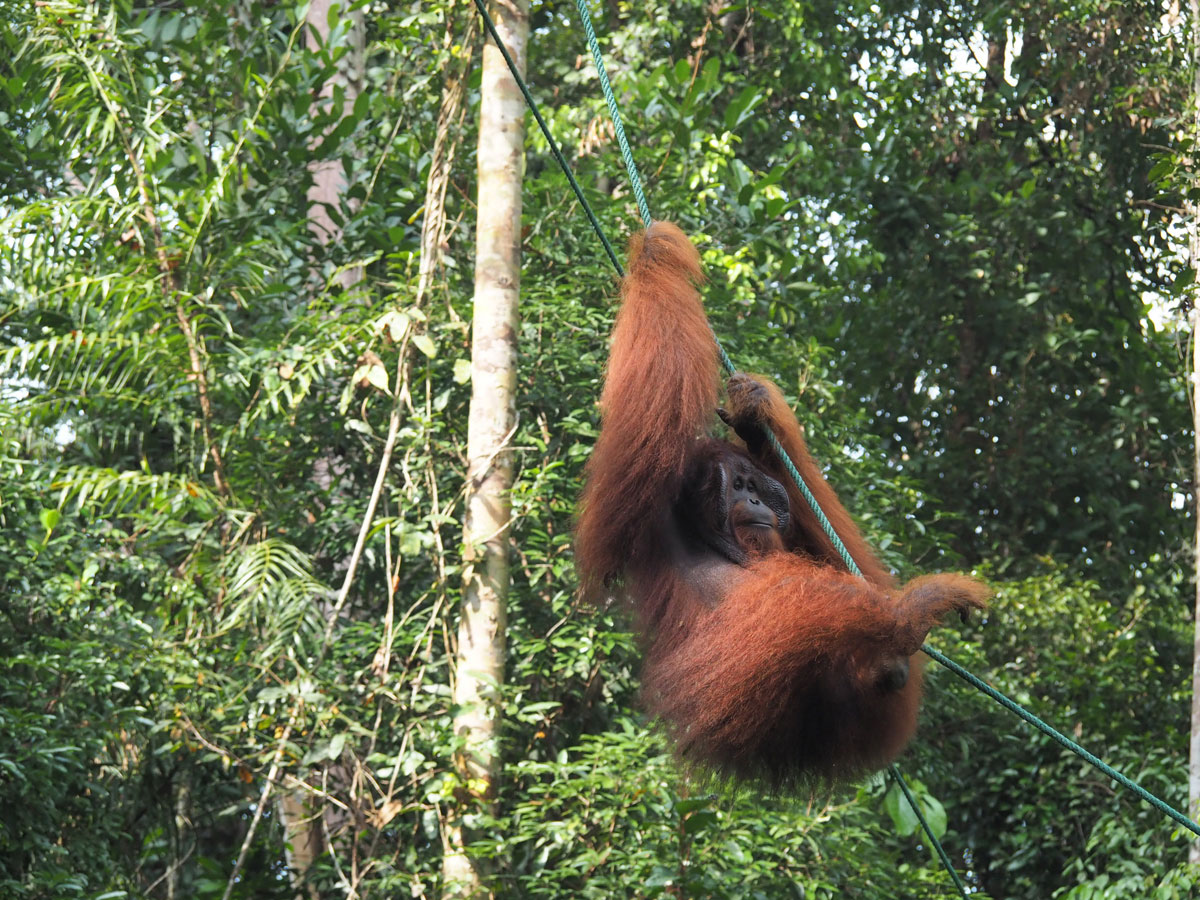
[939, 231]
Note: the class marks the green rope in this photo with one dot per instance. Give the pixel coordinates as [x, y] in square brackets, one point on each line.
[826, 526]
[562, 162]
[894, 771]
[635, 180]
[1062, 739]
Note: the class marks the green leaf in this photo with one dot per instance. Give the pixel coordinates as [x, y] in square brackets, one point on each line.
[935, 815]
[1184, 280]
[901, 812]
[377, 375]
[49, 519]
[1161, 169]
[691, 804]
[742, 106]
[336, 746]
[425, 345]
[699, 821]
[395, 323]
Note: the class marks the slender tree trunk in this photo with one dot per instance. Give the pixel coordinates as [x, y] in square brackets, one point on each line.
[480, 655]
[180, 833]
[1193, 210]
[305, 822]
[1194, 747]
[304, 845]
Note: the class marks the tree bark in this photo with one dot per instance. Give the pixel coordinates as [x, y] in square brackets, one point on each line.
[480, 653]
[1194, 744]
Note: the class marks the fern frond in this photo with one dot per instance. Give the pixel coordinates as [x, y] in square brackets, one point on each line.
[108, 492]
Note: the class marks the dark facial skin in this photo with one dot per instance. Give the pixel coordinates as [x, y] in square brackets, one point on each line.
[745, 505]
[733, 508]
[755, 525]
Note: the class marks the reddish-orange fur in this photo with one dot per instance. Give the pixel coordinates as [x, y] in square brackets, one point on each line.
[659, 393]
[780, 665]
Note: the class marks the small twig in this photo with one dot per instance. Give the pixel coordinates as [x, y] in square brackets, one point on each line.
[171, 870]
[384, 654]
[351, 892]
[360, 542]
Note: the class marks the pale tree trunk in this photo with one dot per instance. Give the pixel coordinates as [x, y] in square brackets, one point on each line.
[480, 652]
[1193, 211]
[183, 819]
[1194, 746]
[306, 823]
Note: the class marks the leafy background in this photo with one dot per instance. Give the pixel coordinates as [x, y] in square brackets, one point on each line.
[952, 234]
